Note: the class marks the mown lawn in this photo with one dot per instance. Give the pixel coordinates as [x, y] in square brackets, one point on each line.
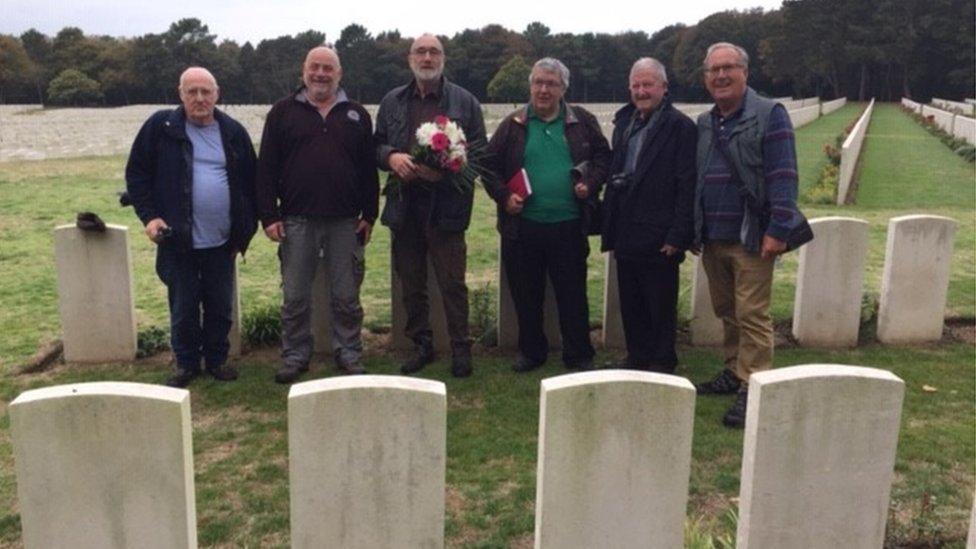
[240, 429]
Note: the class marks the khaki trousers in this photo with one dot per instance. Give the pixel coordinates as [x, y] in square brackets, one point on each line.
[740, 284]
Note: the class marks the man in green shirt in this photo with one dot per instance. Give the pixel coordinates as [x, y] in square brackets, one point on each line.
[545, 232]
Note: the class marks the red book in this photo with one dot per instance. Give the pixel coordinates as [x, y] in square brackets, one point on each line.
[519, 184]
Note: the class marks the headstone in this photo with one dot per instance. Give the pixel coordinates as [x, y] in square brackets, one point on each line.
[831, 106]
[508, 319]
[818, 457]
[614, 460]
[965, 128]
[104, 465]
[367, 462]
[915, 282]
[234, 336]
[849, 153]
[971, 538]
[804, 115]
[322, 310]
[706, 328]
[613, 324]
[943, 119]
[438, 318]
[830, 282]
[95, 295]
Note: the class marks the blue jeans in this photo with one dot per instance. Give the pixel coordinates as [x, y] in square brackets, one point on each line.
[195, 279]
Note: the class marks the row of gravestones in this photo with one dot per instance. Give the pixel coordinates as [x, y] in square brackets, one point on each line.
[111, 464]
[963, 127]
[850, 151]
[97, 304]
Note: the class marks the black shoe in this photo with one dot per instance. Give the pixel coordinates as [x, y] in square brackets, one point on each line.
[736, 416]
[524, 364]
[461, 363]
[182, 378]
[289, 373]
[580, 365]
[726, 383]
[349, 367]
[224, 372]
[424, 356]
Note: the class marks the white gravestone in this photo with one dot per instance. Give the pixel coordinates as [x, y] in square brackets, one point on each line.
[818, 457]
[918, 255]
[613, 324]
[95, 295]
[438, 318]
[508, 319]
[830, 283]
[706, 328]
[234, 336]
[104, 465]
[614, 460]
[367, 462]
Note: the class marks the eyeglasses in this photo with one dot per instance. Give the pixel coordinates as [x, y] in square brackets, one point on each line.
[423, 52]
[727, 69]
[551, 84]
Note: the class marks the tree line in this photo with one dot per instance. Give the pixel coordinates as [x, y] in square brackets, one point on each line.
[831, 48]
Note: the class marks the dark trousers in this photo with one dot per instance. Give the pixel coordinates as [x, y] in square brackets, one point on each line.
[195, 280]
[558, 250]
[448, 253]
[648, 307]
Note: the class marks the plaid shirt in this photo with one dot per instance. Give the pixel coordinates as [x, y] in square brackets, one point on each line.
[723, 206]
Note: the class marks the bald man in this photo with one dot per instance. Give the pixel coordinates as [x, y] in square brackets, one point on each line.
[318, 195]
[190, 177]
[428, 218]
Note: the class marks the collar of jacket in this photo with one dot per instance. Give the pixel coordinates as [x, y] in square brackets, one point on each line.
[627, 111]
[175, 124]
[522, 115]
[300, 96]
[748, 109]
[408, 90]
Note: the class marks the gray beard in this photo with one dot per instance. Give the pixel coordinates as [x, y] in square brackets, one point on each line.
[427, 75]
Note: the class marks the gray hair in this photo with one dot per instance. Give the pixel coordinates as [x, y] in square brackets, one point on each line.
[649, 63]
[743, 56]
[554, 65]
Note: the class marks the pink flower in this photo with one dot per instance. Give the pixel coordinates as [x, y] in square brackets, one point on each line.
[441, 121]
[439, 141]
[455, 165]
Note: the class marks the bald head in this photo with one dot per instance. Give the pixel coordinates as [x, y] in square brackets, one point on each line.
[321, 74]
[426, 58]
[198, 93]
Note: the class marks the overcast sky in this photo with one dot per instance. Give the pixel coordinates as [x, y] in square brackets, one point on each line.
[244, 20]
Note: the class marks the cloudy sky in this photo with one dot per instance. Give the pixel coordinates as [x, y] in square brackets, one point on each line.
[244, 20]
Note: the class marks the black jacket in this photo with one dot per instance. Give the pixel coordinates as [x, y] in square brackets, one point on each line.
[315, 167]
[450, 210]
[159, 176]
[656, 207]
[507, 152]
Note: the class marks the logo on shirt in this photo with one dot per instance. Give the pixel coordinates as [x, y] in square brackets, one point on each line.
[353, 115]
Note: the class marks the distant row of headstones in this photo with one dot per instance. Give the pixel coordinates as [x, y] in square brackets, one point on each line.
[97, 305]
[850, 151]
[111, 464]
[958, 125]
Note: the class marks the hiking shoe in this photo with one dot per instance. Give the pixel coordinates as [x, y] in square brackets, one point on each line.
[182, 378]
[736, 416]
[525, 364]
[224, 372]
[349, 367]
[461, 363]
[289, 373]
[726, 383]
[424, 356]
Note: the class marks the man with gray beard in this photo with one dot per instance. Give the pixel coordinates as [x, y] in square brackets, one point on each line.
[428, 217]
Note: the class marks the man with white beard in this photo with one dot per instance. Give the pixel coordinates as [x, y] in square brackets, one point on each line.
[428, 217]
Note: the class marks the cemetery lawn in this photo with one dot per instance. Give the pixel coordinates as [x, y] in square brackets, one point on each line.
[240, 441]
[241, 449]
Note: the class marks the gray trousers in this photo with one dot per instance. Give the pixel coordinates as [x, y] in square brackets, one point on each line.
[309, 240]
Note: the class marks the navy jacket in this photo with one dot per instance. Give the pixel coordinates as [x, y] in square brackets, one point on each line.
[159, 176]
[657, 207]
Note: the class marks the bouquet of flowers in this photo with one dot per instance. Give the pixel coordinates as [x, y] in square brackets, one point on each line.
[441, 145]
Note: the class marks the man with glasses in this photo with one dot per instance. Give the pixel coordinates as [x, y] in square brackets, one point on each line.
[545, 233]
[190, 177]
[746, 164]
[428, 217]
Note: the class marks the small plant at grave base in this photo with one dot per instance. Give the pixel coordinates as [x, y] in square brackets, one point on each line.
[152, 340]
[262, 325]
[824, 190]
[833, 153]
[483, 320]
[697, 536]
[908, 527]
[958, 145]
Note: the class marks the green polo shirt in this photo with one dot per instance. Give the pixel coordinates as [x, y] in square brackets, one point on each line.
[548, 163]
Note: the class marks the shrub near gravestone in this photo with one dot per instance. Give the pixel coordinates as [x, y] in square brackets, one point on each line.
[73, 88]
[957, 144]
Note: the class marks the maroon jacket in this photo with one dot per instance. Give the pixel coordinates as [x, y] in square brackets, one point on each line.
[586, 144]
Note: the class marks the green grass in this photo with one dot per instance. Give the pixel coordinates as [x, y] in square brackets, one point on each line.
[240, 444]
